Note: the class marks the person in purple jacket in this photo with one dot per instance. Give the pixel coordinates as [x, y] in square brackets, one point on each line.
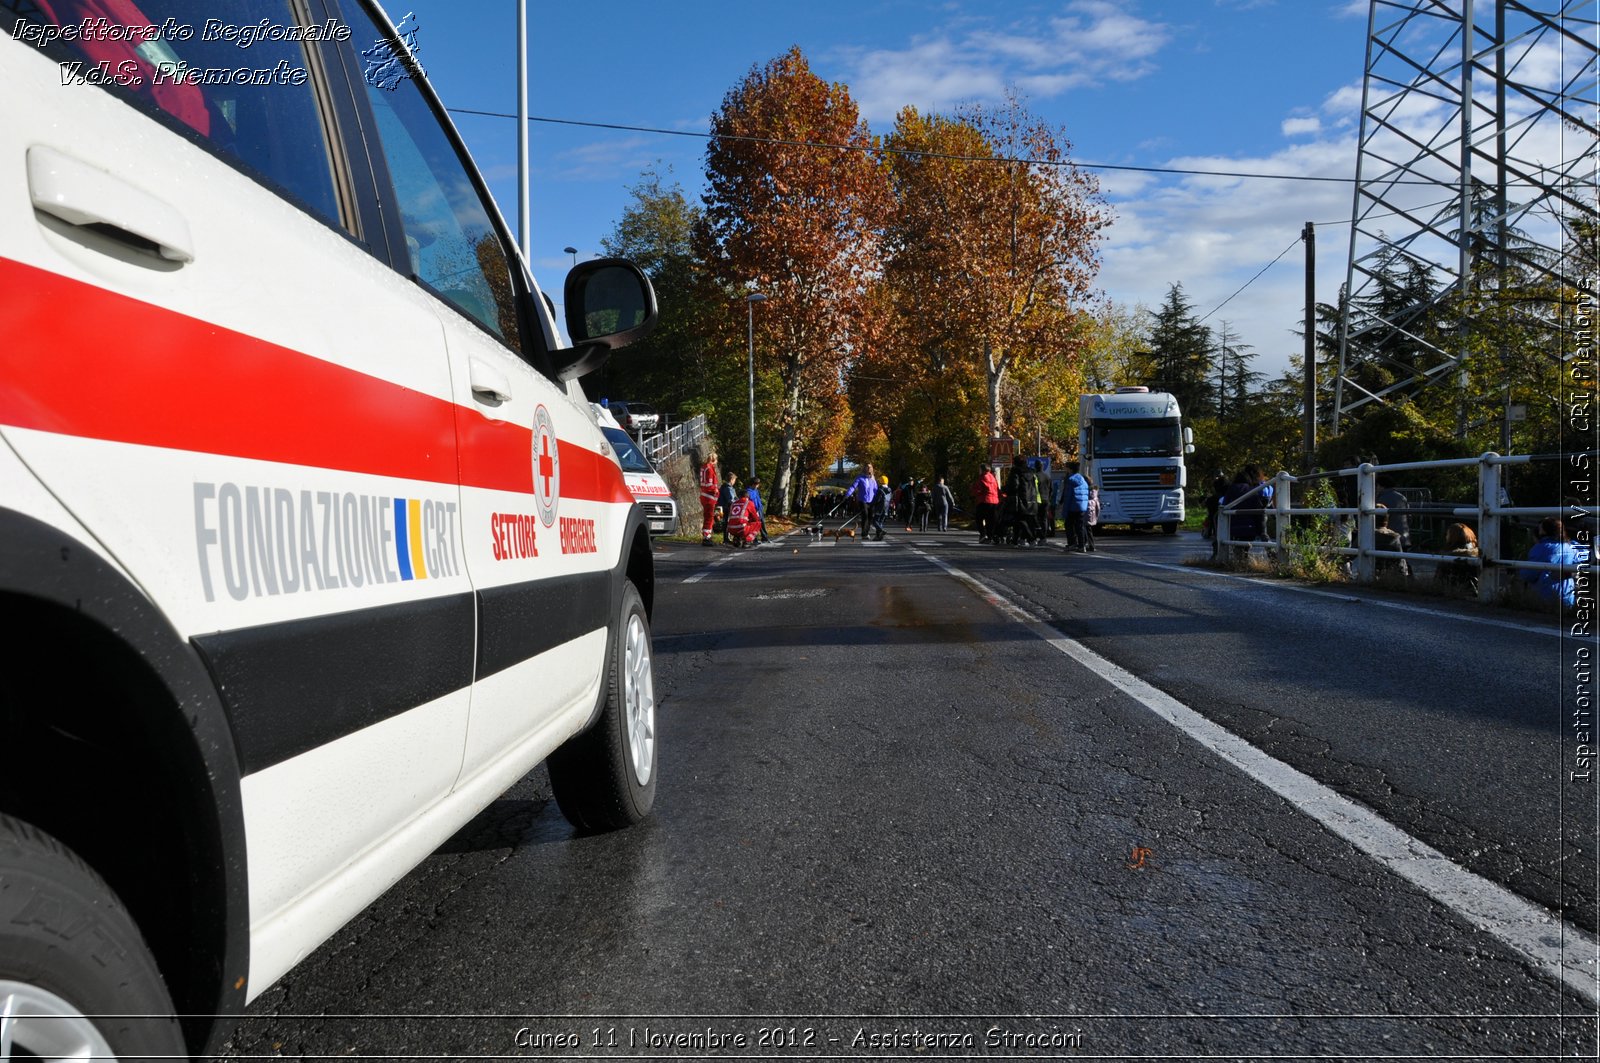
[865, 491]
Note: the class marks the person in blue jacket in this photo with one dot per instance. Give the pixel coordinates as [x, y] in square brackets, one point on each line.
[1075, 508]
[1555, 548]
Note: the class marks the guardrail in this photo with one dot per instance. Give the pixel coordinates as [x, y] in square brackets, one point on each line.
[1487, 516]
[676, 440]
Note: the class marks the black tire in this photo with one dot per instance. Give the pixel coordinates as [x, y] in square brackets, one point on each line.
[1170, 528]
[605, 778]
[74, 970]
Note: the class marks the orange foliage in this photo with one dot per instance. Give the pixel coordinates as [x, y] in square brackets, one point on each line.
[800, 223]
[991, 250]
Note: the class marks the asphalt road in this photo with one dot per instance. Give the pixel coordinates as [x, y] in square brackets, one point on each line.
[900, 815]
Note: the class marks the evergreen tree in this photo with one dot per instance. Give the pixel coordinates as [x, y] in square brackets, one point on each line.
[1235, 379]
[1179, 359]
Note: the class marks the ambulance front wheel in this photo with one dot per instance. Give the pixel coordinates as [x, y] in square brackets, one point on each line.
[605, 778]
[76, 978]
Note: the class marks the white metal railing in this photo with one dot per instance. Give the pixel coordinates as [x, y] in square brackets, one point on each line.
[676, 440]
[1487, 515]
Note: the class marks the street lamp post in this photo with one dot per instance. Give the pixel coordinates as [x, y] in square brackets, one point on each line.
[573, 251]
[750, 303]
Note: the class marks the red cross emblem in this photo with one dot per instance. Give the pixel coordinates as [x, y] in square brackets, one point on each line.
[546, 466]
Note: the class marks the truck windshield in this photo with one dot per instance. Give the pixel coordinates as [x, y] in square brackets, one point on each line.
[1124, 439]
[628, 454]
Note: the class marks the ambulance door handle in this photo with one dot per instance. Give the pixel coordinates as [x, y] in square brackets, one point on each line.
[88, 197]
[489, 384]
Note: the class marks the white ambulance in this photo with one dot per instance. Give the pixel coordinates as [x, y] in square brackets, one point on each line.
[309, 544]
[650, 490]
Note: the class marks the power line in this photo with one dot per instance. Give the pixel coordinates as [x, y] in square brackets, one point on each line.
[1285, 251]
[1251, 281]
[917, 154]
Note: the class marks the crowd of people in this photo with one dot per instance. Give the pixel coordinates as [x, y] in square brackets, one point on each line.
[1024, 509]
[735, 510]
[1021, 510]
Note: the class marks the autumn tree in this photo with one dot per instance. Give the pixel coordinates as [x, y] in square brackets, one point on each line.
[1112, 334]
[914, 409]
[992, 243]
[794, 206]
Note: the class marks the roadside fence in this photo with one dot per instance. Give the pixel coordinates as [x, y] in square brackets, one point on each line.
[676, 440]
[1489, 517]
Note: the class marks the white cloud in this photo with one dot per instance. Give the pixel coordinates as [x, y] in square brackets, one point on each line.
[1344, 104]
[1094, 42]
[622, 158]
[1299, 127]
[1213, 234]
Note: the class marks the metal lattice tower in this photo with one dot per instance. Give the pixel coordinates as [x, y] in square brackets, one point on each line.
[1478, 135]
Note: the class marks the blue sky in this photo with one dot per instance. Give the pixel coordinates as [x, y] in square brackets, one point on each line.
[1259, 86]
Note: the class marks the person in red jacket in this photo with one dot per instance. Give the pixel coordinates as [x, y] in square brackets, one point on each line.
[744, 524]
[986, 503]
[708, 497]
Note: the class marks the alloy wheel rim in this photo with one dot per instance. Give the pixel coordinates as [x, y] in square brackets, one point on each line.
[35, 1023]
[640, 700]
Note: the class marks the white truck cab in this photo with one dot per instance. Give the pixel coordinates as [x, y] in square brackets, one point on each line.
[1132, 444]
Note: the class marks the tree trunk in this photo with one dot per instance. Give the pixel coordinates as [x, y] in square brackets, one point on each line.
[785, 472]
[995, 374]
[786, 439]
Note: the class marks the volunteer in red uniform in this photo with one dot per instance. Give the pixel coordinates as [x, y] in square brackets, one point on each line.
[708, 497]
[743, 524]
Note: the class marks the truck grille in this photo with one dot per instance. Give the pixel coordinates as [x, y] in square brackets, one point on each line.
[1139, 505]
[1150, 477]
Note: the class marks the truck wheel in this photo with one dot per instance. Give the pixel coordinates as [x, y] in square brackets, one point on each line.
[76, 979]
[1170, 528]
[605, 778]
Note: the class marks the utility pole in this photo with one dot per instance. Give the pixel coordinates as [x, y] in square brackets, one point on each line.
[524, 207]
[1222, 375]
[1309, 396]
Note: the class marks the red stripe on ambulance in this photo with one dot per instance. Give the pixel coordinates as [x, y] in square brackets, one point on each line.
[254, 399]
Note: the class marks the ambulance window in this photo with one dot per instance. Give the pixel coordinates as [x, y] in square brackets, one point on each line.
[241, 85]
[454, 247]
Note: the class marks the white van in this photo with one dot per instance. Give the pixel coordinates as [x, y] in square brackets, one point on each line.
[648, 487]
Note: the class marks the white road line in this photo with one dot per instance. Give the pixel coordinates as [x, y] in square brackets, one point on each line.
[703, 573]
[1279, 585]
[1562, 951]
[725, 558]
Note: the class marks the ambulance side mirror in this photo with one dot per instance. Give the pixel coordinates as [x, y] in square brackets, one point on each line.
[609, 304]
